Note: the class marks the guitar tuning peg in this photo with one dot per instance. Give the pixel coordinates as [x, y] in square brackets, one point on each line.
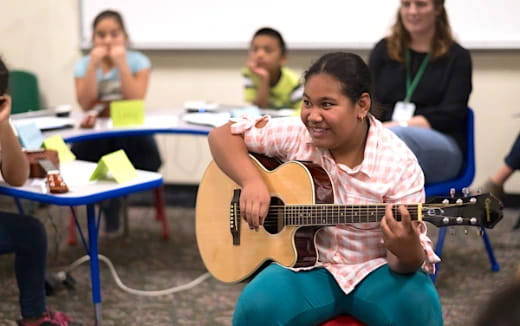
[452, 192]
[465, 192]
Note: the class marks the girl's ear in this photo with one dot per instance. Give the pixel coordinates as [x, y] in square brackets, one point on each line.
[363, 105]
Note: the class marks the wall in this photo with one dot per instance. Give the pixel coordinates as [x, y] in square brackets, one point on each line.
[43, 36]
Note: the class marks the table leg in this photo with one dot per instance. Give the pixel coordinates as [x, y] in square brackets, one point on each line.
[94, 262]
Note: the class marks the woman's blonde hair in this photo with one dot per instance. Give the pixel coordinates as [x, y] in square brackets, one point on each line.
[399, 39]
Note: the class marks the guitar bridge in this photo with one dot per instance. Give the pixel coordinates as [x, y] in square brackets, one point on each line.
[234, 217]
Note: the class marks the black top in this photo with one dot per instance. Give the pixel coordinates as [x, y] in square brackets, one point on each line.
[441, 95]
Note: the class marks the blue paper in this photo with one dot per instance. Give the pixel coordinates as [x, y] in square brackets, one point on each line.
[30, 136]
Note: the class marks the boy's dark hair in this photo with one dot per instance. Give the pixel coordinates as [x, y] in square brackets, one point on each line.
[273, 33]
[110, 14]
[4, 78]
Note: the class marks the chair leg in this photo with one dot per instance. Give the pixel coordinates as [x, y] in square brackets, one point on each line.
[495, 267]
[160, 214]
[438, 249]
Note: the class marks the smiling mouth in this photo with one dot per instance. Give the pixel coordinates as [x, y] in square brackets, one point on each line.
[316, 131]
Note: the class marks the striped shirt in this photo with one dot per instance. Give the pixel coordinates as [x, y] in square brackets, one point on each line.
[287, 93]
[389, 173]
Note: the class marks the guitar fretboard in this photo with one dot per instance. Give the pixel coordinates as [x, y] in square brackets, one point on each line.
[337, 214]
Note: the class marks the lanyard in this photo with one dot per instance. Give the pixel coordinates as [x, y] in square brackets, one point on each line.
[412, 85]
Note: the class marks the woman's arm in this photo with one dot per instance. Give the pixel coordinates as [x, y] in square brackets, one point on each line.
[14, 165]
[450, 113]
[231, 154]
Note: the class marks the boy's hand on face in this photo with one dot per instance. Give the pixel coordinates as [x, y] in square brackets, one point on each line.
[98, 53]
[118, 54]
[259, 71]
[5, 109]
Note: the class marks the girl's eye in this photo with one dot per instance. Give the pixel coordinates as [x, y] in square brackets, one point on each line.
[306, 103]
[326, 104]
[100, 34]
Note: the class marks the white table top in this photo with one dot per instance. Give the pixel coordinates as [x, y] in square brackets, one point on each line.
[76, 175]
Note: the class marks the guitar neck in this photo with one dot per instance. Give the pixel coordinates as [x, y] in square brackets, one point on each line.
[307, 215]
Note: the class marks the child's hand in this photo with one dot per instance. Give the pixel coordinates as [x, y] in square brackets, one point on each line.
[88, 122]
[401, 237]
[118, 54]
[259, 71]
[97, 54]
[5, 108]
[254, 202]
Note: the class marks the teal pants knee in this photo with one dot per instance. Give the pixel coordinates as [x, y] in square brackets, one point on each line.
[278, 296]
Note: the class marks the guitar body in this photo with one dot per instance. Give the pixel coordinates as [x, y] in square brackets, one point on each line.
[293, 246]
[302, 201]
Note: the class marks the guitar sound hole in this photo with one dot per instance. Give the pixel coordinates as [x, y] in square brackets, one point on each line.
[274, 221]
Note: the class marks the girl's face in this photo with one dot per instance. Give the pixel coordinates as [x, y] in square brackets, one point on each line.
[108, 32]
[331, 117]
[418, 16]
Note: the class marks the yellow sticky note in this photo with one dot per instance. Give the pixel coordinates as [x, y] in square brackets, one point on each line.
[127, 113]
[57, 143]
[115, 164]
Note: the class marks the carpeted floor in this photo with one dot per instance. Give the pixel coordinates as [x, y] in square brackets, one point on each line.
[144, 261]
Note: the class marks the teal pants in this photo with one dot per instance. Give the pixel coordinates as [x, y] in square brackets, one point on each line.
[278, 296]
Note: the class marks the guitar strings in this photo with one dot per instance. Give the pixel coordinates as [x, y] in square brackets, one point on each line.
[274, 218]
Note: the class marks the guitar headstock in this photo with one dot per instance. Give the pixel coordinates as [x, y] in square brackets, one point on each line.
[55, 183]
[482, 210]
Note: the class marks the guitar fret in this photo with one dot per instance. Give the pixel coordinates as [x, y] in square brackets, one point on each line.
[327, 214]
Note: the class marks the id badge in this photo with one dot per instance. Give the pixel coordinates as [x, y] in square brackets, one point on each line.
[403, 111]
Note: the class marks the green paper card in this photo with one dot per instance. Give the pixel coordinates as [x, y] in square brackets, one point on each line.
[115, 164]
[127, 113]
[57, 143]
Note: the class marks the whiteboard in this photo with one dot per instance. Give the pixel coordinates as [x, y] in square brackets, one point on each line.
[304, 24]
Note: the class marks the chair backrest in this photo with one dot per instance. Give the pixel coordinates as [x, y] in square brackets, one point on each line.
[23, 87]
[467, 173]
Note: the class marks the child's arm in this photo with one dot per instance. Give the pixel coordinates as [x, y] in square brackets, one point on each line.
[231, 155]
[132, 86]
[14, 165]
[405, 253]
[86, 86]
[262, 92]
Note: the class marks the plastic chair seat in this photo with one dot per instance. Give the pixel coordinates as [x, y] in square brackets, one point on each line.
[343, 321]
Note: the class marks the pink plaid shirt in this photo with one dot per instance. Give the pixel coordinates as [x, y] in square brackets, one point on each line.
[389, 173]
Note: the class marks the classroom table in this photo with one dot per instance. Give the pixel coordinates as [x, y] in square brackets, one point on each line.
[84, 192]
[156, 122]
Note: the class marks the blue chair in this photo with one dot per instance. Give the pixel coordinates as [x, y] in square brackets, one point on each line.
[463, 180]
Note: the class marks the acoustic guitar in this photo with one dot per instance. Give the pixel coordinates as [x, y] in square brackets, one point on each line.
[302, 202]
